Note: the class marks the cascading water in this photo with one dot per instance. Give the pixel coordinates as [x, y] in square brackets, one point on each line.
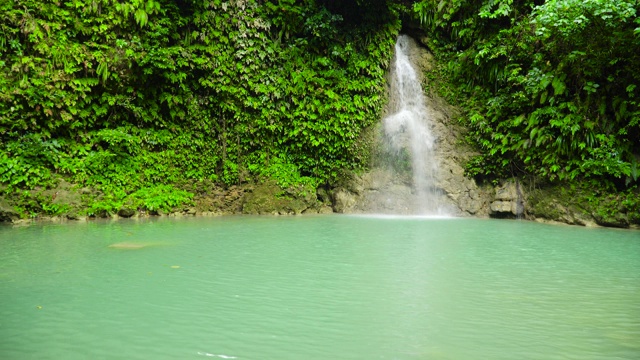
[407, 136]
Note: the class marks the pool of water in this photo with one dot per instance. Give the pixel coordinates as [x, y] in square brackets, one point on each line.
[318, 287]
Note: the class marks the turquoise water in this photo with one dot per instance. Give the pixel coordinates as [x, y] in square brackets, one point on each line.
[318, 287]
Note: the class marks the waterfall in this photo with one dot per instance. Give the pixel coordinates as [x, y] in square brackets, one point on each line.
[408, 141]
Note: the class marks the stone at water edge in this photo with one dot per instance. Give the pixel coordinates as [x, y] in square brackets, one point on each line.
[126, 212]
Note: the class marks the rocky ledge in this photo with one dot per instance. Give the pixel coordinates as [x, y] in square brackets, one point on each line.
[354, 194]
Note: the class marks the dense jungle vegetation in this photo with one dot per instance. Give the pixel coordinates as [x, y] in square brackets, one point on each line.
[136, 98]
[549, 91]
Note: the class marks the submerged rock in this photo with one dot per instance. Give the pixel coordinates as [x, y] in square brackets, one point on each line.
[128, 245]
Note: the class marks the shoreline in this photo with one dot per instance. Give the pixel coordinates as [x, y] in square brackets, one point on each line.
[43, 220]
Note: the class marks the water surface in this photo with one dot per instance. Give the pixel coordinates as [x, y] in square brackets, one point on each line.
[323, 287]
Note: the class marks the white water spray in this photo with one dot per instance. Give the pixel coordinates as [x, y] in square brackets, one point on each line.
[408, 130]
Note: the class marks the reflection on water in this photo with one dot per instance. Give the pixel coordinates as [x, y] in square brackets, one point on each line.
[341, 287]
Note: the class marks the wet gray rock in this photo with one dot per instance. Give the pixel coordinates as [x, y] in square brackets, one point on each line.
[508, 200]
[498, 207]
[343, 200]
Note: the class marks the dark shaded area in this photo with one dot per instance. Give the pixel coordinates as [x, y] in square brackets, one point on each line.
[355, 12]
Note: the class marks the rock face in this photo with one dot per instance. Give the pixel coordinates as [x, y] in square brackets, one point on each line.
[7, 212]
[568, 204]
[270, 198]
[64, 201]
[343, 200]
[210, 199]
[508, 200]
[552, 209]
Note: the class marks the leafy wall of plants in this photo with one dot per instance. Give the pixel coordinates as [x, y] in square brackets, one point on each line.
[136, 97]
[550, 88]
[129, 95]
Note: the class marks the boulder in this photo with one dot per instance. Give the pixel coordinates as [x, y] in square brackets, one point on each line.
[270, 198]
[343, 200]
[616, 219]
[126, 212]
[508, 200]
[7, 212]
[500, 207]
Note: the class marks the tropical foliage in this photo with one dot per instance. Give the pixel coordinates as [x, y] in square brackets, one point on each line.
[550, 88]
[136, 97]
[124, 96]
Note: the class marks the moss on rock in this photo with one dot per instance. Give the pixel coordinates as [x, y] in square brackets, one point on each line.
[270, 198]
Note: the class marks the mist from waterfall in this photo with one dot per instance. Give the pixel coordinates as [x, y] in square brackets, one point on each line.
[407, 135]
